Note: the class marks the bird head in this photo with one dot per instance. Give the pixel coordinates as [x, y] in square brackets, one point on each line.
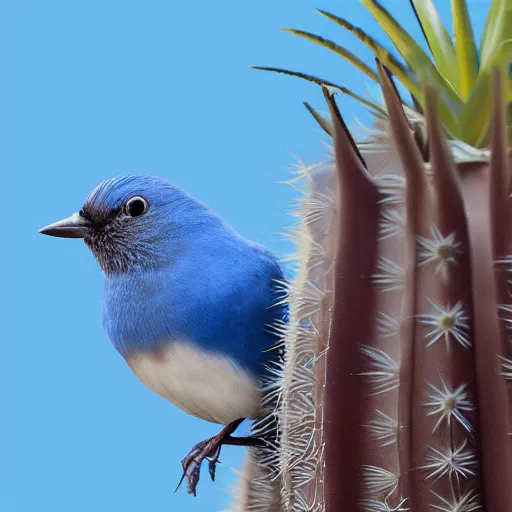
[133, 222]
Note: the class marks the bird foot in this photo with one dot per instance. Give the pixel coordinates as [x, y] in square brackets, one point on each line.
[205, 450]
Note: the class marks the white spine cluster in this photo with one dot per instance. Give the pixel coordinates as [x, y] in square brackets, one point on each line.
[300, 415]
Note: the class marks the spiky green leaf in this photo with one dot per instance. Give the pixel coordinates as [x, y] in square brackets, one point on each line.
[438, 41]
[324, 123]
[465, 48]
[376, 109]
[414, 55]
[498, 28]
[366, 38]
[337, 49]
[386, 57]
[475, 115]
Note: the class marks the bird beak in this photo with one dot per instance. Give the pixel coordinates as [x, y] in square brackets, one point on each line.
[75, 226]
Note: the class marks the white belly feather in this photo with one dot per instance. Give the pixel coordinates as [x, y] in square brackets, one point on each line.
[203, 384]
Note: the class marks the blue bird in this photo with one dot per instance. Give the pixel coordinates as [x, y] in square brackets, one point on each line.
[187, 302]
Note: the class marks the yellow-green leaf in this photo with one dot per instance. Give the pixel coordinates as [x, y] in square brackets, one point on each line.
[475, 115]
[509, 112]
[465, 48]
[413, 54]
[490, 22]
[388, 59]
[438, 41]
[408, 79]
[311, 78]
[498, 28]
[298, 74]
[336, 48]
[366, 38]
[324, 123]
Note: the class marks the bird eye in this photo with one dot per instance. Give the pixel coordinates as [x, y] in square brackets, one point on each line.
[136, 206]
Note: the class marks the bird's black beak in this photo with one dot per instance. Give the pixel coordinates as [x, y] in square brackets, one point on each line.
[75, 226]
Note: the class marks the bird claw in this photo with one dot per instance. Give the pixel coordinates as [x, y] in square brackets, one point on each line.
[205, 450]
[212, 464]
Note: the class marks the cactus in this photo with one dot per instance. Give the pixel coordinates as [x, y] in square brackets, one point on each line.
[395, 391]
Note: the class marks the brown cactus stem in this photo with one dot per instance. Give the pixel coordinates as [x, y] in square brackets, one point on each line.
[454, 285]
[493, 396]
[354, 300]
[501, 211]
[418, 208]
[491, 388]
[451, 216]
[450, 204]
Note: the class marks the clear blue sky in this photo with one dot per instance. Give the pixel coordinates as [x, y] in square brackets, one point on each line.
[91, 89]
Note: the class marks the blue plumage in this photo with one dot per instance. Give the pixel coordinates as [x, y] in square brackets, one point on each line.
[218, 294]
[187, 300]
[199, 279]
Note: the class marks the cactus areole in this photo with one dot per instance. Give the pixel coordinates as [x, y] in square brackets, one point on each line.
[396, 389]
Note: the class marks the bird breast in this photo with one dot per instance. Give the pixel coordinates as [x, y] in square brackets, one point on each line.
[207, 385]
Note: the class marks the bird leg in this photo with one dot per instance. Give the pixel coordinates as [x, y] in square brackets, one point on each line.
[210, 450]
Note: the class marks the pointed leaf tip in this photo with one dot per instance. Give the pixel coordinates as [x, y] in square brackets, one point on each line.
[438, 40]
[399, 70]
[338, 119]
[465, 48]
[407, 147]
[324, 124]
[335, 48]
